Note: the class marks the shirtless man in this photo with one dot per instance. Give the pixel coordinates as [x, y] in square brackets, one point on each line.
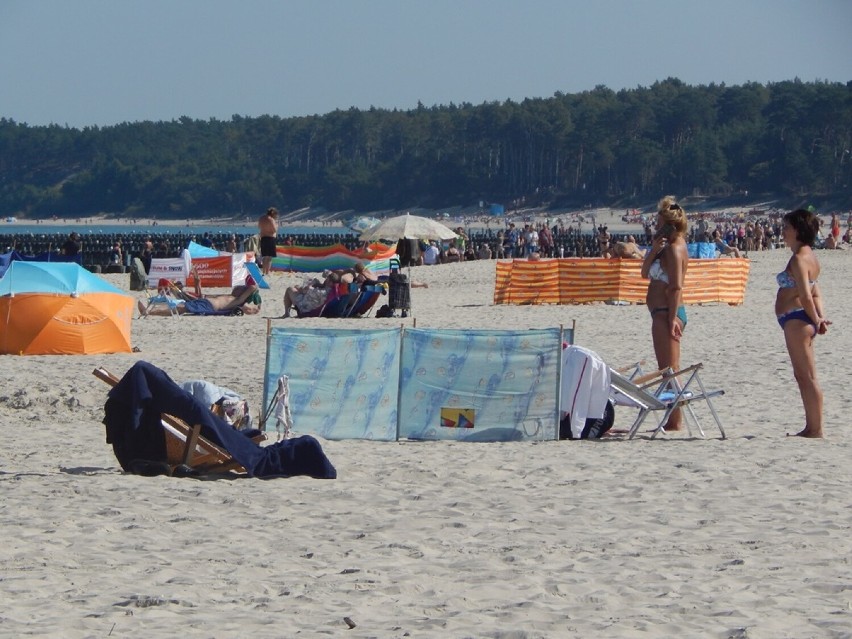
[242, 298]
[268, 226]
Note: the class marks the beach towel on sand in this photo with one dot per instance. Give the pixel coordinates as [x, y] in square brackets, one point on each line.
[132, 419]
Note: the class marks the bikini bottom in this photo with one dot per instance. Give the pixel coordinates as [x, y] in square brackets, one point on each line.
[796, 314]
[681, 313]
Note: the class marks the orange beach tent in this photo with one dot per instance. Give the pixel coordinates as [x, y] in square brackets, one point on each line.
[54, 308]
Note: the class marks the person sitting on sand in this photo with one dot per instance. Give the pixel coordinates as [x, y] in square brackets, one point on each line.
[629, 249]
[723, 247]
[832, 243]
[431, 254]
[311, 295]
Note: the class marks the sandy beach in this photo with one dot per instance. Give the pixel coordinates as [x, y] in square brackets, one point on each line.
[674, 537]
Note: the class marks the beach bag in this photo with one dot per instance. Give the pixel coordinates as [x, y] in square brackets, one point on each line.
[594, 428]
[399, 293]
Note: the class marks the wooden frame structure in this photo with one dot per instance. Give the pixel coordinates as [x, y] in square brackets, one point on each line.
[185, 445]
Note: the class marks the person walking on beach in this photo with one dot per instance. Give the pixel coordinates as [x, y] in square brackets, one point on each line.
[798, 307]
[665, 267]
[267, 224]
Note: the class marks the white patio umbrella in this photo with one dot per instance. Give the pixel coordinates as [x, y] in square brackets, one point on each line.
[409, 227]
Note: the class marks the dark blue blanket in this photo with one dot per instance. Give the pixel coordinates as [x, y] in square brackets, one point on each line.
[132, 419]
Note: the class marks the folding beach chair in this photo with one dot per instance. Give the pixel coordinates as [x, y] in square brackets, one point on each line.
[340, 305]
[185, 446]
[664, 391]
[163, 297]
[370, 294]
[156, 427]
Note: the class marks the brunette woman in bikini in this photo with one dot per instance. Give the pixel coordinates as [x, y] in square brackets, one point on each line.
[798, 307]
[665, 266]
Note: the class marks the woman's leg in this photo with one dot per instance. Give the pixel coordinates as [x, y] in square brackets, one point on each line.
[799, 337]
[667, 350]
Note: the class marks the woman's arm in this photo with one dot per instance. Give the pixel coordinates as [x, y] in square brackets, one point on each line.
[652, 254]
[822, 324]
[817, 298]
[674, 290]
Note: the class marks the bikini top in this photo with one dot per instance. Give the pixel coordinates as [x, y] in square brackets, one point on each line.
[785, 280]
[656, 272]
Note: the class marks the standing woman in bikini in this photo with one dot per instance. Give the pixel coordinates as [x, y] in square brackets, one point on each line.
[798, 307]
[665, 266]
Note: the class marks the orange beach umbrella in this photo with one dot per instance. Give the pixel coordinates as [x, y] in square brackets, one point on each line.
[49, 308]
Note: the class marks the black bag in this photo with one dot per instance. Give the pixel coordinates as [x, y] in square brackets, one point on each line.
[384, 311]
[594, 428]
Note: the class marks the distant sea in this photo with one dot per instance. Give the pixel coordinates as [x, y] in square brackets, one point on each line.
[18, 228]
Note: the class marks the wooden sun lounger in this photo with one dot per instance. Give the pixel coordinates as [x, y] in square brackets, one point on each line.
[184, 443]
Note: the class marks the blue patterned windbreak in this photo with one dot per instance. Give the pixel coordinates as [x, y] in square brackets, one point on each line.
[344, 384]
[478, 385]
[504, 381]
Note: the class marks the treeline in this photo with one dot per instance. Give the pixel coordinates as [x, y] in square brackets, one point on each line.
[786, 139]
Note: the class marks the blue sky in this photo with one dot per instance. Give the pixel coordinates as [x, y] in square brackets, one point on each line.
[103, 62]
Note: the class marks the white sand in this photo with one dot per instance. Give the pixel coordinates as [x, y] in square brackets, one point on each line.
[675, 537]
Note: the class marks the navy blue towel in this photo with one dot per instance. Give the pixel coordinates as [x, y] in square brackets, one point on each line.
[132, 419]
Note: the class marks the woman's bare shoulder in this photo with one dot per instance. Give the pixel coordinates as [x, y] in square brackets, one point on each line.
[805, 260]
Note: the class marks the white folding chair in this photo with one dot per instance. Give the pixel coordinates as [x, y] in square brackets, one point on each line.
[664, 391]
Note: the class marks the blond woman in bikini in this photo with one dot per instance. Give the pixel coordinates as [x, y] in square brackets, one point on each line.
[665, 267]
